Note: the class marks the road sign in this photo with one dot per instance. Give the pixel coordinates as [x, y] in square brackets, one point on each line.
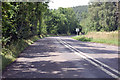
[77, 29]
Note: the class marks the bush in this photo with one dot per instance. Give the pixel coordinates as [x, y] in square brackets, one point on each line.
[11, 52]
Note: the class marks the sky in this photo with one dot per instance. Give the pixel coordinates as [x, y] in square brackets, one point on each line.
[55, 4]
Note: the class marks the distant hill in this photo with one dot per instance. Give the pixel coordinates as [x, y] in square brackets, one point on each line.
[78, 11]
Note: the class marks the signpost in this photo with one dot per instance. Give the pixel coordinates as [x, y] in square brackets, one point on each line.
[77, 30]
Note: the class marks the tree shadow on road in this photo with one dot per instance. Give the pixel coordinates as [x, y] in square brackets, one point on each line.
[36, 62]
[51, 69]
[97, 51]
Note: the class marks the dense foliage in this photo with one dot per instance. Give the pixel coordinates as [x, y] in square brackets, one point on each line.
[0, 21]
[101, 17]
[119, 15]
[80, 12]
[21, 20]
[61, 21]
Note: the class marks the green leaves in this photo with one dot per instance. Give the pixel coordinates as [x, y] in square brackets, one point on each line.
[20, 19]
[101, 17]
[61, 21]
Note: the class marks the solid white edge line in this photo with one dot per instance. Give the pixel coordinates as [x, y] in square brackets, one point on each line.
[94, 59]
[106, 71]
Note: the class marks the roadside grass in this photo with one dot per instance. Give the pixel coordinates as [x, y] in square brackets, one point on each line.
[100, 37]
[12, 51]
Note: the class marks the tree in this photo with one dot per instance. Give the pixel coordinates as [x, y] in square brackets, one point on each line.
[20, 19]
[61, 21]
[101, 17]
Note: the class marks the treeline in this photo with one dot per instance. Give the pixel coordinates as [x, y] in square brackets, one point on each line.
[0, 21]
[101, 16]
[21, 20]
[80, 12]
[61, 21]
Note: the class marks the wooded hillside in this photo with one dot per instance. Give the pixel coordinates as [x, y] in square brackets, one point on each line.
[101, 17]
[80, 11]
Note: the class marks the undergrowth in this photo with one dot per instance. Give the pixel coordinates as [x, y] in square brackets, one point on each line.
[12, 51]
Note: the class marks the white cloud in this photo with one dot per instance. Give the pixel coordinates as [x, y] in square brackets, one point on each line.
[54, 4]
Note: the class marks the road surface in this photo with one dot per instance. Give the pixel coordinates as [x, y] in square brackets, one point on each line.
[63, 57]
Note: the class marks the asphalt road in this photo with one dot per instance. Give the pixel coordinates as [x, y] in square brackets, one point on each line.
[63, 57]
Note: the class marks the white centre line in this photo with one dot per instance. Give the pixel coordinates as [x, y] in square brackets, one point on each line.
[83, 55]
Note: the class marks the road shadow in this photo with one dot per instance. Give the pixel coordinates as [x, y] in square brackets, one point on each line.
[51, 69]
[78, 43]
[36, 62]
[97, 51]
[112, 62]
[93, 50]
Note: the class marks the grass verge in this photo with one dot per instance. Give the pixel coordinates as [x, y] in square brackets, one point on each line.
[11, 52]
[100, 37]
